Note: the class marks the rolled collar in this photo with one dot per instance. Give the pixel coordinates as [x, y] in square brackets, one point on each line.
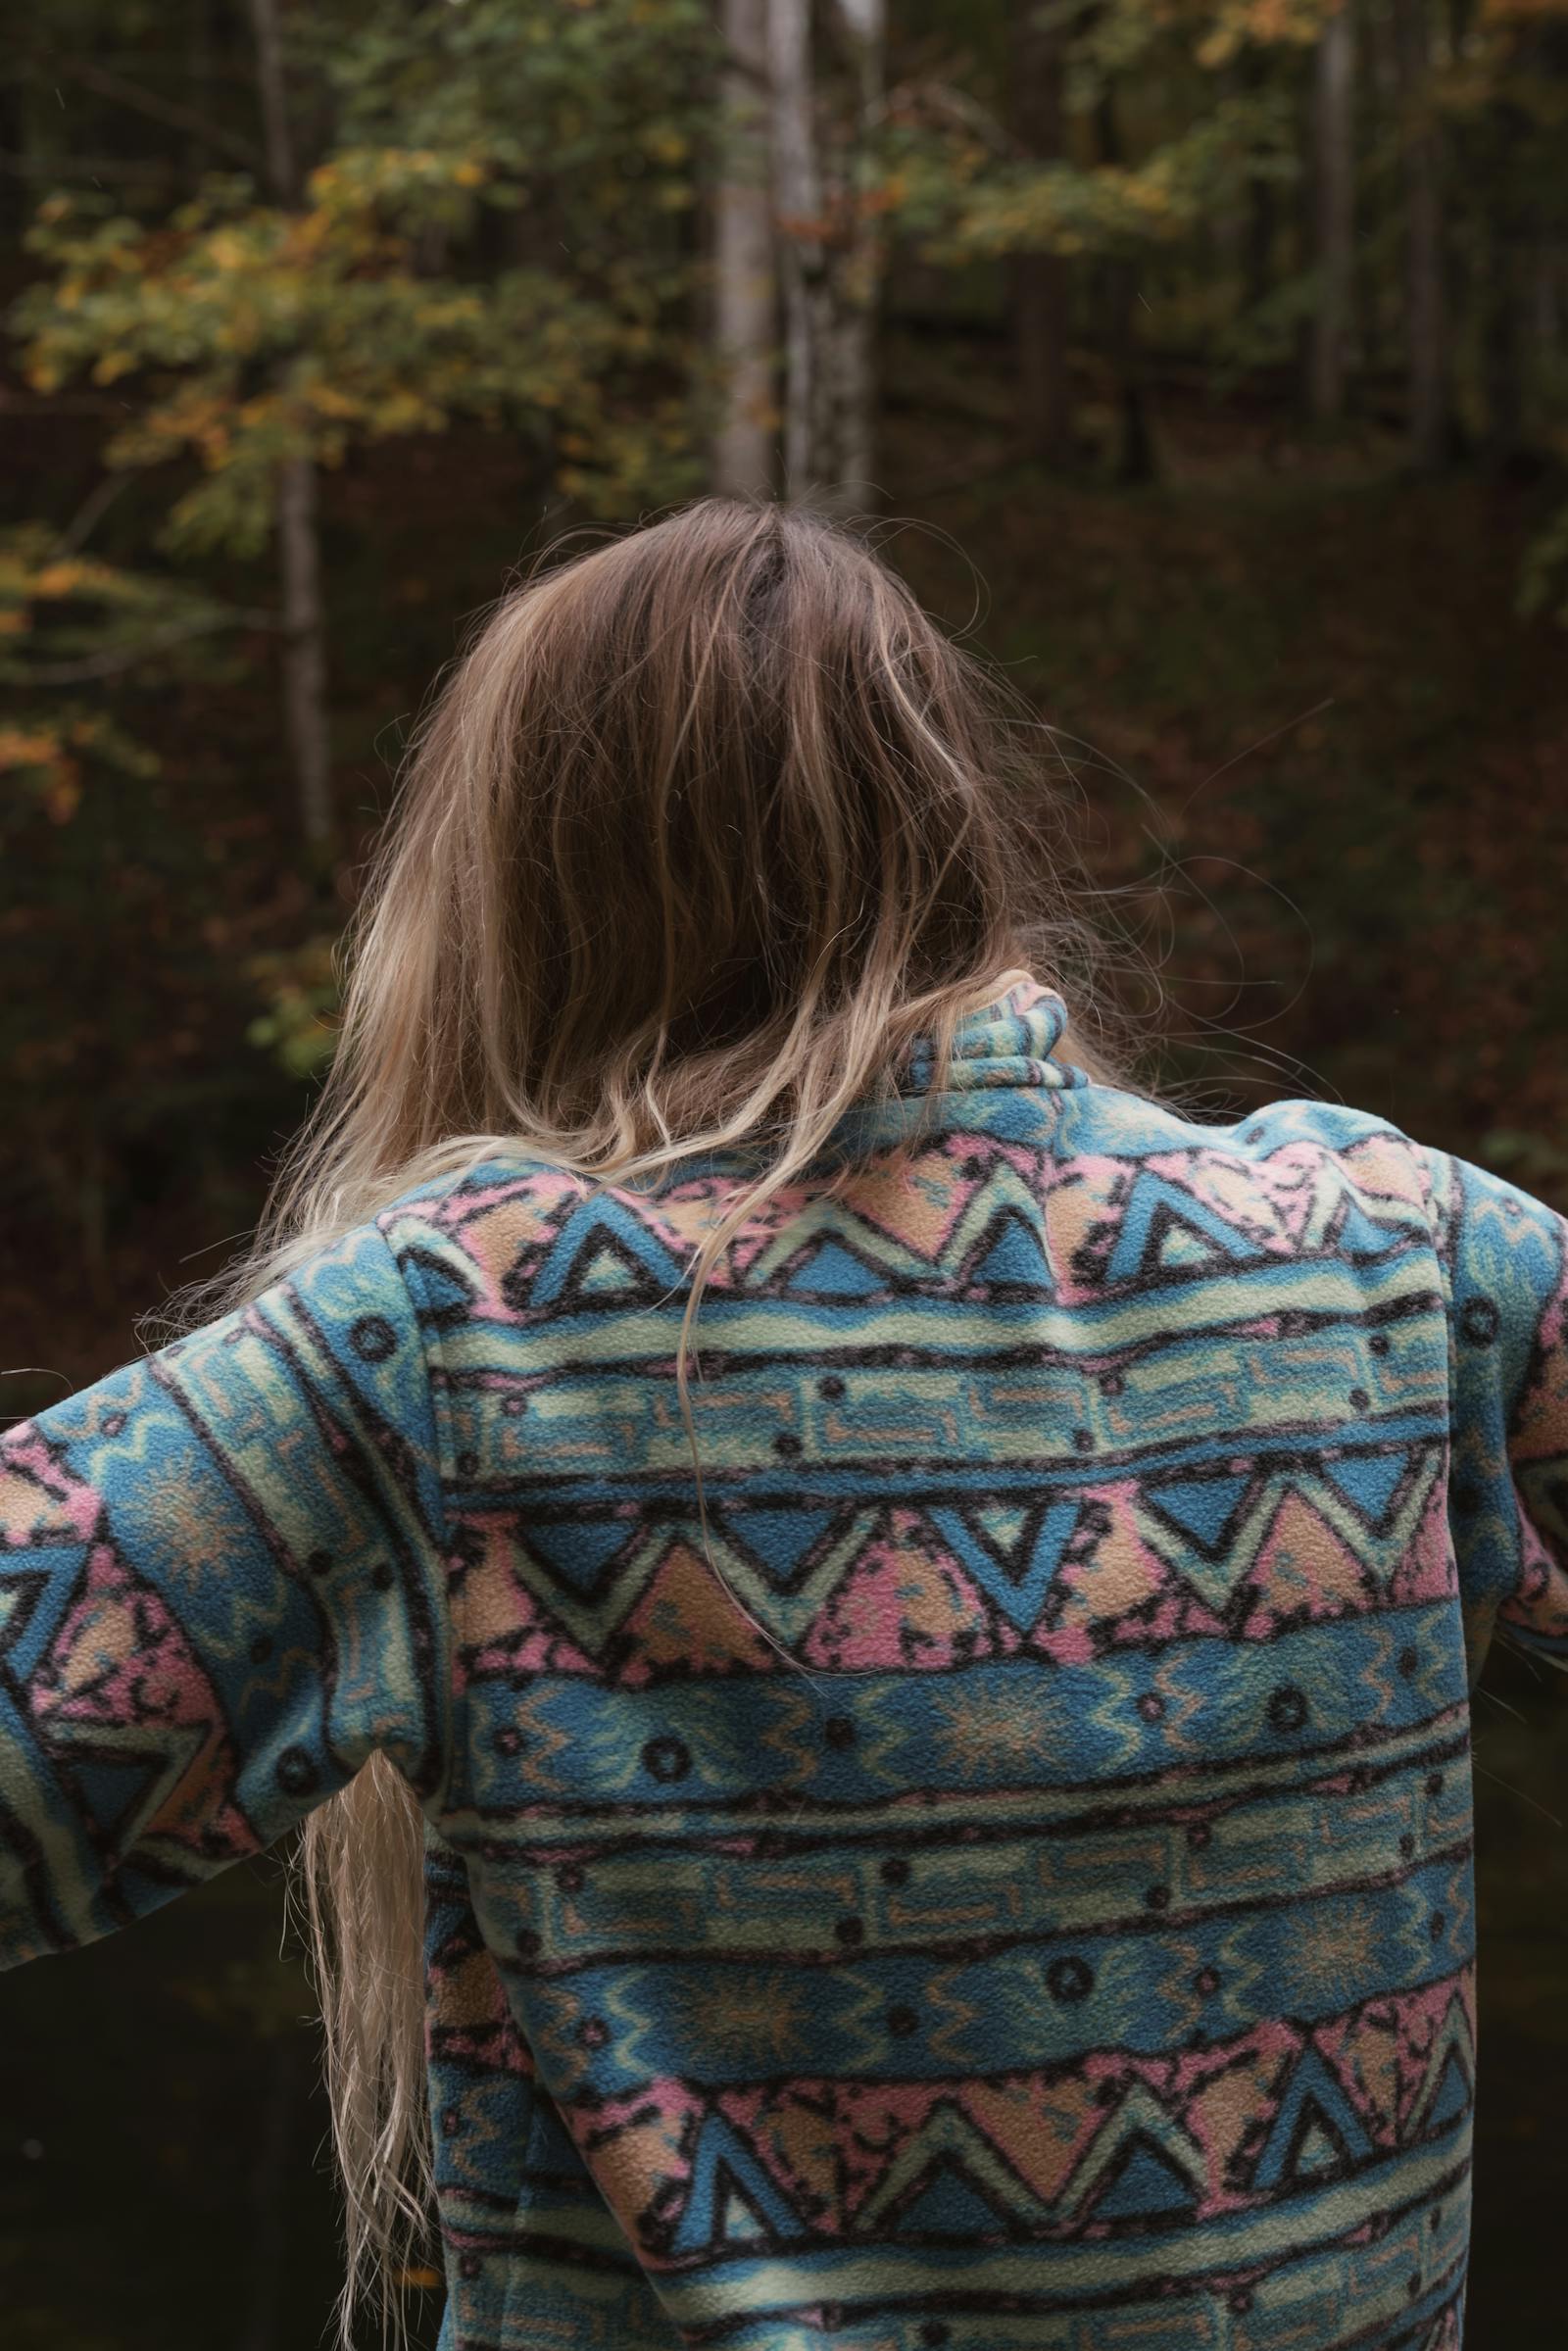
[1009, 1041]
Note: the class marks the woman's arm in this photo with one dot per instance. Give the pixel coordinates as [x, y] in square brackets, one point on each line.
[1504, 1258]
[221, 1586]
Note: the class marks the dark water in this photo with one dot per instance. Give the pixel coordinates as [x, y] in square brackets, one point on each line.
[165, 2178]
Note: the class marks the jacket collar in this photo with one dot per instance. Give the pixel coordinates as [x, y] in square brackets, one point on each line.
[1008, 1041]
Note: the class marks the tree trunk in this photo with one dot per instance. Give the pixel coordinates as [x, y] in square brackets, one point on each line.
[1511, 233]
[1333, 122]
[1426, 318]
[855, 282]
[305, 707]
[199, 75]
[797, 210]
[1502, 353]
[1546, 299]
[1135, 461]
[269, 2188]
[277, 145]
[1042, 286]
[745, 290]
[304, 645]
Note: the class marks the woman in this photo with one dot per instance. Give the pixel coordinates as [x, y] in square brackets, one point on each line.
[953, 1828]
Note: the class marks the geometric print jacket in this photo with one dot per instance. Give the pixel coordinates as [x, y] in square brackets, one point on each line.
[1068, 1943]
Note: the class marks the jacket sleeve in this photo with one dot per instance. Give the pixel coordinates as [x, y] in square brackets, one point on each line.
[221, 1590]
[1504, 1263]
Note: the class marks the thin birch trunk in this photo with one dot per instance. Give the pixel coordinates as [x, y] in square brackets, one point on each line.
[1425, 319]
[798, 209]
[1333, 117]
[855, 284]
[278, 143]
[303, 635]
[1040, 281]
[745, 286]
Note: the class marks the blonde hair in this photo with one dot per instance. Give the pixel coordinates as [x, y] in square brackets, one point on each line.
[705, 826]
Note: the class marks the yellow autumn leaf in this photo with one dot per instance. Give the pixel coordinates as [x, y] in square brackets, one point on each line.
[63, 793]
[58, 579]
[329, 401]
[19, 749]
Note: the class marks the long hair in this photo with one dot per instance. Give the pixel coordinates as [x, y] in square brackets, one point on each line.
[707, 824]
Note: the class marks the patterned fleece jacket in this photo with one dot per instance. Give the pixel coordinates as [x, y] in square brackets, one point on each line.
[1067, 1943]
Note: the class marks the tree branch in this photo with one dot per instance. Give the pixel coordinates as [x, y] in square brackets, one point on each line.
[91, 513]
[148, 101]
[113, 665]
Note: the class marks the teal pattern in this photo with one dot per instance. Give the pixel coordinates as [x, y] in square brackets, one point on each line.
[1070, 1944]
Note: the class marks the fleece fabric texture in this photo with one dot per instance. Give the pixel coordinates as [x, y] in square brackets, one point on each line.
[1068, 1946]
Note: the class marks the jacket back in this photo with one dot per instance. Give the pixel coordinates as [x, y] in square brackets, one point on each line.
[1069, 1939]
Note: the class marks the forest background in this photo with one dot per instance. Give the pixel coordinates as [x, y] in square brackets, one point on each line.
[1204, 362]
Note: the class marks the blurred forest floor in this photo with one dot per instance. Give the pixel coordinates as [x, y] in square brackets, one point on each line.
[1299, 694]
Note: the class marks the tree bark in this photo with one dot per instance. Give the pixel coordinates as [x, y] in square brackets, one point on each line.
[1332, 121]
[1135, 461]
[305, 707]
[278, 143]
[855, 279]
[1426, 308]
[1041, 285]
[803, 260]
[745, 285]
[306, 722]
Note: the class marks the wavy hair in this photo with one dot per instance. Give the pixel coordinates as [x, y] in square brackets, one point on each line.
[705, 825]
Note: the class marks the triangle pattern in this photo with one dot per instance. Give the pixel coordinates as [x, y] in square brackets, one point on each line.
[602, 1252]
[740, 2218]
[678, 1621]
[730, 2184]
[781, 1541]
[37, 1587]
[1449, 2084]
[1140, 2165]
[451, 1298]
[1183, 1249]
[949, 2204]
[1012, 1555]
[1451, 2097]
[1160, 1218]
[950, 2177]
[832, 1270]
[577, 1552]
[1145, 2181]
[608, 1272]
[1368, 1483]
[115, 1788]
[1203, 1509]
[1014, 1256]
[1314, 2115]
[1318, 2153]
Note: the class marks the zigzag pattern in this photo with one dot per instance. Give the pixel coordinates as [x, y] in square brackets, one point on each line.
[1023, 1901]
